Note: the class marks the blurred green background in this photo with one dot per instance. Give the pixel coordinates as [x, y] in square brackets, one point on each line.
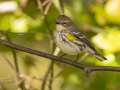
[24, 23]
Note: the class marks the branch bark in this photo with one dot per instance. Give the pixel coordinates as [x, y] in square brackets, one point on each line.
[85, 68]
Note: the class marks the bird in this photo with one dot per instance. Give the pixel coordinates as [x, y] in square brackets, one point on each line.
[71, 40]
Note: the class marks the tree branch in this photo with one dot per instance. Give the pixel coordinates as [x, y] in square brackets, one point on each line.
[59, 59]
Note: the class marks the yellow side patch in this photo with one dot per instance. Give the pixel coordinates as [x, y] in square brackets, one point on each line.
[70, 36]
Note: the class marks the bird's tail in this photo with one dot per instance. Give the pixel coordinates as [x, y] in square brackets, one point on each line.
[99, 56]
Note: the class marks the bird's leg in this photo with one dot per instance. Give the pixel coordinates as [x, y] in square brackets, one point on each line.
[63, 66]
[57, 52]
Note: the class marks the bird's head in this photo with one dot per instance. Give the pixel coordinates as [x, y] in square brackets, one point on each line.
[64, 21]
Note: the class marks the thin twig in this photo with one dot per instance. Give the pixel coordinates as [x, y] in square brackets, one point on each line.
[61, 7]
[50, 36]
[21, 86]
[5, 34]
[59, 59]
[39, 3]
[51, 75]
[16, 67]
[45, 78]
[45, 3]
[47, 8]
[8, 62]
[14, 57]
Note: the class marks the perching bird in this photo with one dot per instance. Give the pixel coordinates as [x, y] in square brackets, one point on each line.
[70, 40]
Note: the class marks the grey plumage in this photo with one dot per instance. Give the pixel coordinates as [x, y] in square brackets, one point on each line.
[71, 28]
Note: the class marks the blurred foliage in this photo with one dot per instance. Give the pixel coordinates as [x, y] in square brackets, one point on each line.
[98, 19]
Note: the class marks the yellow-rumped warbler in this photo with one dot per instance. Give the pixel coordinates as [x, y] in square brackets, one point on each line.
[70, 40]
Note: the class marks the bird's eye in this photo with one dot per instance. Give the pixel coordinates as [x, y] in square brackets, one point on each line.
[64, 23]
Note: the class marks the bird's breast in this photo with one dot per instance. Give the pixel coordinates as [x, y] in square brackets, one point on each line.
[66, 46]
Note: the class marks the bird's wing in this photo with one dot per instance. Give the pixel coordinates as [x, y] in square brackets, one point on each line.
[79, 35]
[75, 31]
